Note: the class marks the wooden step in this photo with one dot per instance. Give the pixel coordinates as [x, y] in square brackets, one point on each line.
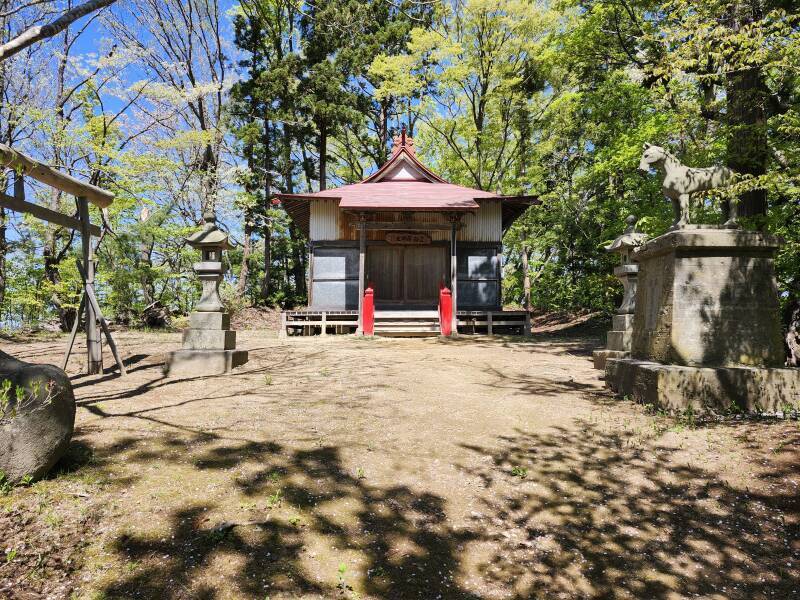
[407, 323]
[407, 332]
[406, 314]
[409, 328]
[425, 323]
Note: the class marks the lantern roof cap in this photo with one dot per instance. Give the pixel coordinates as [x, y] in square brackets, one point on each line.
[210, 235]
[631, 237]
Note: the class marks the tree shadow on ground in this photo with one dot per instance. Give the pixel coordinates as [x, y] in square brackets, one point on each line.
[598, 516]
[537, 386]
[549, 343]
[406, 548]
[589, 515]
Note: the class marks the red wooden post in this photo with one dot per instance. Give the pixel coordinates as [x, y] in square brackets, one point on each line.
[368, 318]
[445, 311]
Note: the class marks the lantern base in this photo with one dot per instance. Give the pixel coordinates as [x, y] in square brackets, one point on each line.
[201, 363]
[209, 348]
[618, 342]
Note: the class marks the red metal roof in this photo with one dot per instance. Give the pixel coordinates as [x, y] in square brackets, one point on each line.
[403, 183]
[401, 195]
[414, 187]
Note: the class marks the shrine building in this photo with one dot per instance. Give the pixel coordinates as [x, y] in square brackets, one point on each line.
[404, 236]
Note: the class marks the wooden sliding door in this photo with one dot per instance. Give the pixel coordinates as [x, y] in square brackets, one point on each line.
[424, 268]
[385, 272]
[407, 275]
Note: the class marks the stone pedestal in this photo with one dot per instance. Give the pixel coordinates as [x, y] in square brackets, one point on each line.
[201, 363]
[209, 347]
[618, 341]
[707, 328]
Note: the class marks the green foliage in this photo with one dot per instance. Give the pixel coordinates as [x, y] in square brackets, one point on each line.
[16, 399]
[5, 484]
[520, 472]
[275, 499]
[549, 99]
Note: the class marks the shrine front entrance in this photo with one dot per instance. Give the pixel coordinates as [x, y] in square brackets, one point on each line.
[407, 276]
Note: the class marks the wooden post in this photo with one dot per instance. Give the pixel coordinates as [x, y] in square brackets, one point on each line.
[282, 332]
[489, 323]
[310, 286]
[362, 267]
[324, 323]
[94, 349]
[91, 299]
[454, 274]
[73, 334]
[527, 326]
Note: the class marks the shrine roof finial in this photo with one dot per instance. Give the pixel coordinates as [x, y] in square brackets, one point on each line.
[403, 141]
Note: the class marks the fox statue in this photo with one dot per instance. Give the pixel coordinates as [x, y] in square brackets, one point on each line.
[681, 181]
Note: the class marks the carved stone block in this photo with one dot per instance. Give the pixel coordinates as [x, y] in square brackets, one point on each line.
[210, 320]
[708, 298]
[209, 339]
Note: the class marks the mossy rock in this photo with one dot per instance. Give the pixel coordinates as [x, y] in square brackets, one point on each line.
[35, 430]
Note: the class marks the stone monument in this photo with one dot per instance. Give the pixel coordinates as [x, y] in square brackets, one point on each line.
[618, 340]
[209, 345]
[707, 330]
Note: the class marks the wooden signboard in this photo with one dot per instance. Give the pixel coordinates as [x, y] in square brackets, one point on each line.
[408, 239]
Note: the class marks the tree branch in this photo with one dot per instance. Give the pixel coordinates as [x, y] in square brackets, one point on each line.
[38, 33]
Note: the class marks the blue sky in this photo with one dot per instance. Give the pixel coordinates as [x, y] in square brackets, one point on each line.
[96, 35]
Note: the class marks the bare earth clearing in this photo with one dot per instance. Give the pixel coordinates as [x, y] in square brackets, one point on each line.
[392, 469]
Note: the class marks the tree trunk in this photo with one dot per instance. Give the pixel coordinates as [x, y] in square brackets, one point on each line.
[4, 5]
[3, 252]
[288, 177]
[792, 320]
[50, 249]
[323, 157]
[267, 226]
[241, 285]
[298, 261]
[247, 225]
[146, 261]
[747, 93]
[383, 135]
[298, 267]
[265, 281]
[526, 281]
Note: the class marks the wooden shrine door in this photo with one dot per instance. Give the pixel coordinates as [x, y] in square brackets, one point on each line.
[407, 275]
[385, 273]
[424, 268]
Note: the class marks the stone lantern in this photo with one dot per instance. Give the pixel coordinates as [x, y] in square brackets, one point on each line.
[211, 241]
[209, 345]
[618, 344]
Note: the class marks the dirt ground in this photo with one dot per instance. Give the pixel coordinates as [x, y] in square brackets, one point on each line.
[390, 469]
